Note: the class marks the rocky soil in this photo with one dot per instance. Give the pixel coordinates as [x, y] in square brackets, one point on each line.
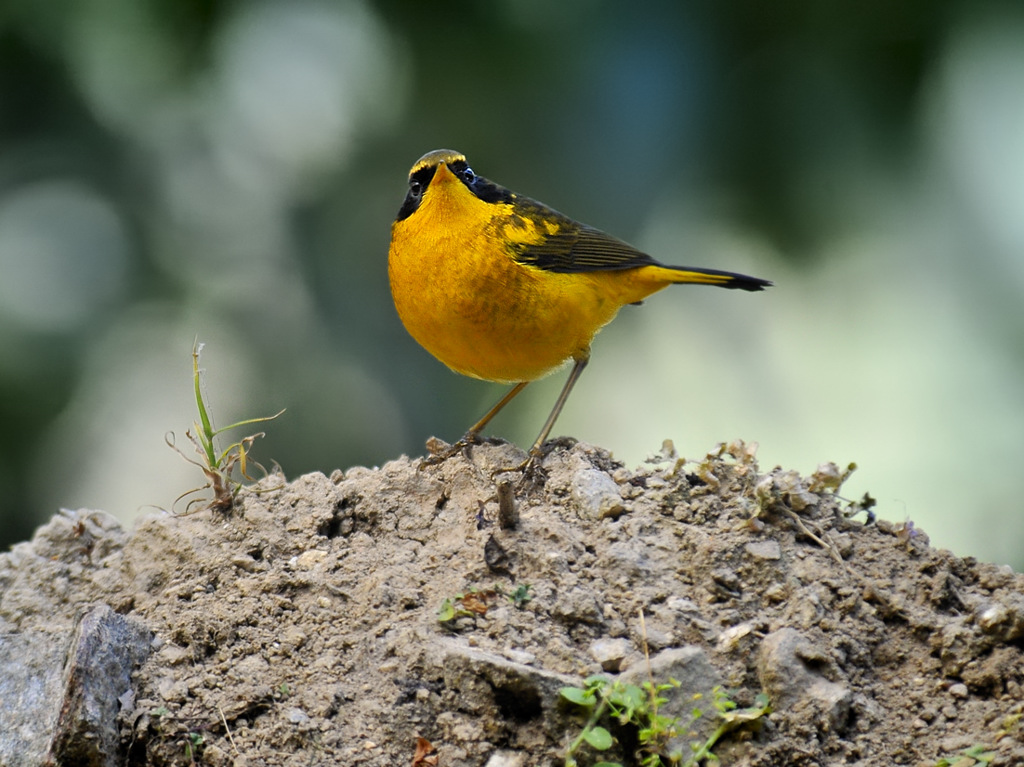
[386, 617]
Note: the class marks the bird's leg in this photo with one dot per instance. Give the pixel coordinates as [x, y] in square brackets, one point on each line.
[529, 465]
[473, 435]
[577, 368]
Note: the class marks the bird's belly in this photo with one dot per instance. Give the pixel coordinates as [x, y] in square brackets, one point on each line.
[493, 318]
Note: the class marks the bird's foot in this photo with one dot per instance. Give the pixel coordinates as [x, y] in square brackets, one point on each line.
[440, 451]
[530, 469]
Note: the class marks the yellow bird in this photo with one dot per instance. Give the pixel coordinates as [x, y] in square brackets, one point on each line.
[501, 287]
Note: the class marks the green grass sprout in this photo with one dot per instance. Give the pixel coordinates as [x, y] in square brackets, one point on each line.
[217, 465]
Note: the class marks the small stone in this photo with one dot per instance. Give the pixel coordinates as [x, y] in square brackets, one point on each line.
[507, 759]
[725, 583]
[309, 559]
[173, 655]
[958, 690]
[297, 716]
[595, 493]
[697, 678]
[681, 605]
[610, 653]
[1003, 619]
[767, 549]
[294, 638]
[991, 616]
[994, 576]
[658, 639]
[788, 664]
[481, 677]
[729, 638]
[244, 562]
[214, 756]
[519, 656]
[775, 593]
[171, 691]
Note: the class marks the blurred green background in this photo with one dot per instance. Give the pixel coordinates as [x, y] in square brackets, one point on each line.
[229, 170]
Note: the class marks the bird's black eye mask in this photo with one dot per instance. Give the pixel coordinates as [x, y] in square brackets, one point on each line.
[486, 190]
[418, 183]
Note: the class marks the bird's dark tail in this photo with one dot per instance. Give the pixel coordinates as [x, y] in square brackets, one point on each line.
[699, 276]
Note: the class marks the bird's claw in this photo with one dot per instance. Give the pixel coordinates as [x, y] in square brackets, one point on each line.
[440, 451]
[530, 469]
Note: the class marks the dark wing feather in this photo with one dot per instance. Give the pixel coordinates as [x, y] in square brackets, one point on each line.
[574, 247]
[580, 248]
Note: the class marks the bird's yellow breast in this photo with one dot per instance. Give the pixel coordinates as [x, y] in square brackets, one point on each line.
[462, 295]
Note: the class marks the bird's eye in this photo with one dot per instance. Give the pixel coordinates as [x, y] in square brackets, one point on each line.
[468, 176]
[415, 188]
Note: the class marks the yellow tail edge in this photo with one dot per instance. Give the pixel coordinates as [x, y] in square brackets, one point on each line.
[698, 276]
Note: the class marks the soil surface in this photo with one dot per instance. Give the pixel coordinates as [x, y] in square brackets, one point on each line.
[309, 626]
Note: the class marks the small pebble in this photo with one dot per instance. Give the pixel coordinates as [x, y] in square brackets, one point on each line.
[244, 562]
[958, 690]
[768, 549]
[309, 559]
[297, 716]
[519, 656]
[610, 653]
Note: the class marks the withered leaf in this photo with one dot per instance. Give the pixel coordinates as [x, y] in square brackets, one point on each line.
[426, 754]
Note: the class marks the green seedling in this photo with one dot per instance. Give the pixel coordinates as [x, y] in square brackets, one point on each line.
[192, 743]
[188, 735]
[627, 704]
[469, 604]
[730, 718]
[218, 467]
[520, 595]
[474, 602]
[638, 706]
[969, 757]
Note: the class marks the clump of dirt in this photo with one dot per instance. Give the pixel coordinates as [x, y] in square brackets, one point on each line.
[303, 627]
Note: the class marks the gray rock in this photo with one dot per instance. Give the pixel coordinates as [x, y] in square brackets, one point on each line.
[697, 678]
[687, 665]
[31, 682]
[62, 691]
[297, 716]
[105, 650]
[507, 759]
[766, 549]
[1003, 618]
[595, 493]
[610, 653]
[789, 666]
[486, 680]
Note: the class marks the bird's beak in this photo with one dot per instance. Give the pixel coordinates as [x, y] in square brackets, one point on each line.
[442, 175]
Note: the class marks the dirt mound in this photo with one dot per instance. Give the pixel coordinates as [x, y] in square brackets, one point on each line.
[336, 620]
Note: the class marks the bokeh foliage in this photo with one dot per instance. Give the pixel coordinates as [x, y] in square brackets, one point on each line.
[229, 170]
